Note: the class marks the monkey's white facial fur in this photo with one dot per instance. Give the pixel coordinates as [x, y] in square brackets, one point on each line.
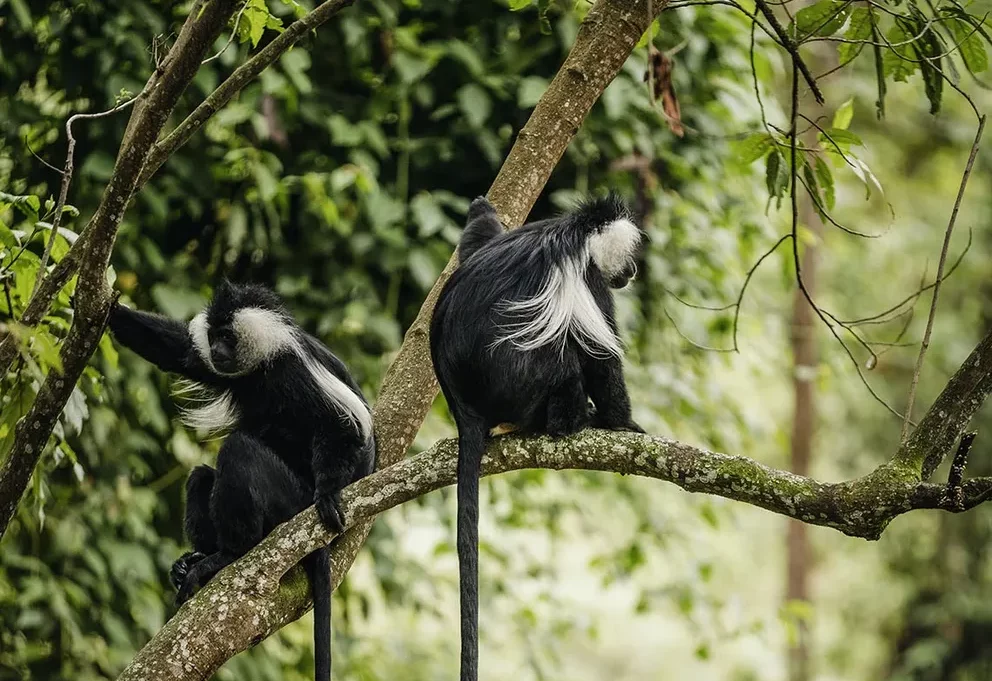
[613, 247]
[258, 336]
[261, 335]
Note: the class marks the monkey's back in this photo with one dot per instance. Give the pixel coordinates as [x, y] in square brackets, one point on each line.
[498, 380]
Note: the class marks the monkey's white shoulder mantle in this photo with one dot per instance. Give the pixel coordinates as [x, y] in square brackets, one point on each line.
[262, 335]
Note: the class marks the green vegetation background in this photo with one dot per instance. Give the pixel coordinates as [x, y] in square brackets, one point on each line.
[341, 178]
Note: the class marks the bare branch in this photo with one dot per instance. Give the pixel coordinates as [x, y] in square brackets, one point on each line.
[230, 38]
[792, 47]
[940, 275]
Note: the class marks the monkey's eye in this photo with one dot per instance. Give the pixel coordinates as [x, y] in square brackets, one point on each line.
[225, 335]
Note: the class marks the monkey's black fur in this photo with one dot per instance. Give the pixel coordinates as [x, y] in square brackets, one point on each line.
[290, 447]
[488, 383]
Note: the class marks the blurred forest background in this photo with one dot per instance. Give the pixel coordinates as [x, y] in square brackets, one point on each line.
[341, 178]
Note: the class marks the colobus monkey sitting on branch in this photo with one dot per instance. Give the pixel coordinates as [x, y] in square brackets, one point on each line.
[524, 333]
[301, 432]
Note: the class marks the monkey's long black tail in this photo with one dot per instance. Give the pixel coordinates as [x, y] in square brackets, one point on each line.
[318, 566]
[471, 444]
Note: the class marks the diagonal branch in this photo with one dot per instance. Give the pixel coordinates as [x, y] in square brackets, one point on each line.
[239, 606]
[938, 278]
[93, 296]
[242, 75]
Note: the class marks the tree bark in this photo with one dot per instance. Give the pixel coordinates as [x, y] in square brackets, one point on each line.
[243, 603]
[93, 296]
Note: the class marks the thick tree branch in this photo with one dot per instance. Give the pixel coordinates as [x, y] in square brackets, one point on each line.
[93, 296]
[240, 605]
[950, 414]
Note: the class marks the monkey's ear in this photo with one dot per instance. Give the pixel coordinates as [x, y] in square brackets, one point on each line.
[480, 206]
[224, 288]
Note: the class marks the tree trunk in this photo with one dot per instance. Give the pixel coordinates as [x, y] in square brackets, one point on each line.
[804, 369]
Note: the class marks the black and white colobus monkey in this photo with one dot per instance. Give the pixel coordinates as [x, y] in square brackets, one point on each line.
[524, 333]
[301, 431]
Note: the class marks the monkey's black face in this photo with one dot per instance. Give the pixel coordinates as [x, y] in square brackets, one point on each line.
[223, 349]
[623, 277]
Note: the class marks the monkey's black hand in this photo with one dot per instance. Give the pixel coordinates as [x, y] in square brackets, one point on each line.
[182, 566]
[480, 206]
[329, 510]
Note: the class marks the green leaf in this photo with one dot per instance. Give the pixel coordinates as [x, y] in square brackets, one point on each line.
[777, 174]
[475, 104]
[542, 8]
[929, 48]
[826, 180]
[753, 147]
[823, 18]
[517, 5]
[970, 46]
[900, 60]
[858, 28]
[811, 184]
[253, 22]
[839, 137]
[879, 72]
[844, 114]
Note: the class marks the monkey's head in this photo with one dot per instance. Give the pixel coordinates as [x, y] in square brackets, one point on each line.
[614, 240]
[244, 326]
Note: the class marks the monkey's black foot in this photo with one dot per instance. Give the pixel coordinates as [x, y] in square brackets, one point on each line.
[329, 510]
[199, 574]
[182, 566]
[186, 591]
[566, 423]
[480, 206]
[612, 422]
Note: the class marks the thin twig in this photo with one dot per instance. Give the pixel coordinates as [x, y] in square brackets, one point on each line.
[698, 346]
[791, 46]
[27, 144]
[940, 272]
[825, 317]
[879, 317]
[230, 39]
[67, 180]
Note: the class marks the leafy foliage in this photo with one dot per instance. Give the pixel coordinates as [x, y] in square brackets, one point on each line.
[340, 178]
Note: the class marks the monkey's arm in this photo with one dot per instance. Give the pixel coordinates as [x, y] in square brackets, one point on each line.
[481, 226]
[162, 341]
[338, 460]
